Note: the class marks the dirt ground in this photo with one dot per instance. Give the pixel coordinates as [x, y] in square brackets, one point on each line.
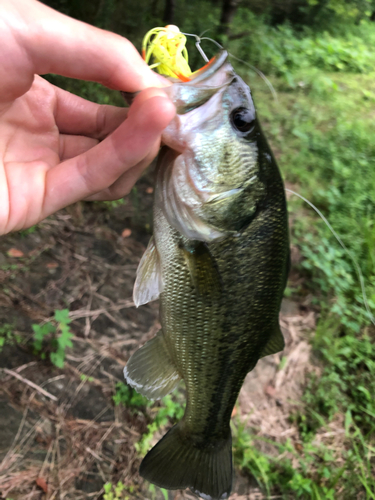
[61, 436]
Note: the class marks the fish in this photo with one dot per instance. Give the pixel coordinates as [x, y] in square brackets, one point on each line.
[218, 262]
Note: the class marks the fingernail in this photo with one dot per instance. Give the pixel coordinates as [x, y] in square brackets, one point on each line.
[164, 81]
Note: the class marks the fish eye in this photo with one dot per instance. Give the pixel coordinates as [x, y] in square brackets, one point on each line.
[242, 119]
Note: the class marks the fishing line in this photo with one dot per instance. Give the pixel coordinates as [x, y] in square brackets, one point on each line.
[256, 70]
[259, 73]
[198, 44]
[357, 268]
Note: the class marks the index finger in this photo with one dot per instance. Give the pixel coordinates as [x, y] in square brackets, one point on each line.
[54, 43]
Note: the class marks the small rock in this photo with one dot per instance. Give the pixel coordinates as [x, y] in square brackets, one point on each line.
[52, 265]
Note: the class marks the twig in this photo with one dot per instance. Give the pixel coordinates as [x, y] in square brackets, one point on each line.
[84, 313]
[95, 455]
[22, 367]
[30, 384]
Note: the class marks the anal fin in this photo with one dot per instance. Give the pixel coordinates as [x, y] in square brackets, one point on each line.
[275, 344]
[150, 370]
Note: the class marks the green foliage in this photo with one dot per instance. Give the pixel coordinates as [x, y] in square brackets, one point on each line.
[322, 130]
[53, 338]
[347, 383]
[170, 410]
[129, 398]
[310, 470]
[117, 492]
[8, 336]
[152, 490]
[283, 50]
[345, 191]
[306, 473]
[29, 230]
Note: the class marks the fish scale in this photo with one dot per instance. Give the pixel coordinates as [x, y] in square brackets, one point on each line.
[218, 261]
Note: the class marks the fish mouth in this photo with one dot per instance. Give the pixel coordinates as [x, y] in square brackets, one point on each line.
[203, 84]
[216, 74]
[209, 69]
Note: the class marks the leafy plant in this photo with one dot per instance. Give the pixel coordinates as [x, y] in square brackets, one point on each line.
[7, 335]
[128, 397]
[53, 338]
[283, 50]
[152, 490]
[116, 492]
[347, 383]
[169, 410]
[310, 471]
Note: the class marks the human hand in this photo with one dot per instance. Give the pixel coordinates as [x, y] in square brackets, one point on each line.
[57, 148]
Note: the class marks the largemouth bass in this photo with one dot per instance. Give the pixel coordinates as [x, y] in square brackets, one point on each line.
[218, 261]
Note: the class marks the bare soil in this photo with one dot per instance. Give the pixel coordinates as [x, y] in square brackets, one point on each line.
[61, 436]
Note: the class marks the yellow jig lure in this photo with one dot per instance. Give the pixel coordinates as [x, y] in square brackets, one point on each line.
[167, 47]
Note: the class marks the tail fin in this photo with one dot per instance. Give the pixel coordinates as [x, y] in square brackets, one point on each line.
[176, 462]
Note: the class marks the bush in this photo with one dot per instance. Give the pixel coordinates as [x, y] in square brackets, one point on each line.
[282, 50]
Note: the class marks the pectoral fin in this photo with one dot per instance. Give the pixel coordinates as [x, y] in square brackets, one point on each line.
[149, 283]
[275, 344]
[203, 269]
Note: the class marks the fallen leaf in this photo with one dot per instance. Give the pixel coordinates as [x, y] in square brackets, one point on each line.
[42, 484]
[126, 233]
[149, 190]
[298, 447]
[14, 252]
[52, 265]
